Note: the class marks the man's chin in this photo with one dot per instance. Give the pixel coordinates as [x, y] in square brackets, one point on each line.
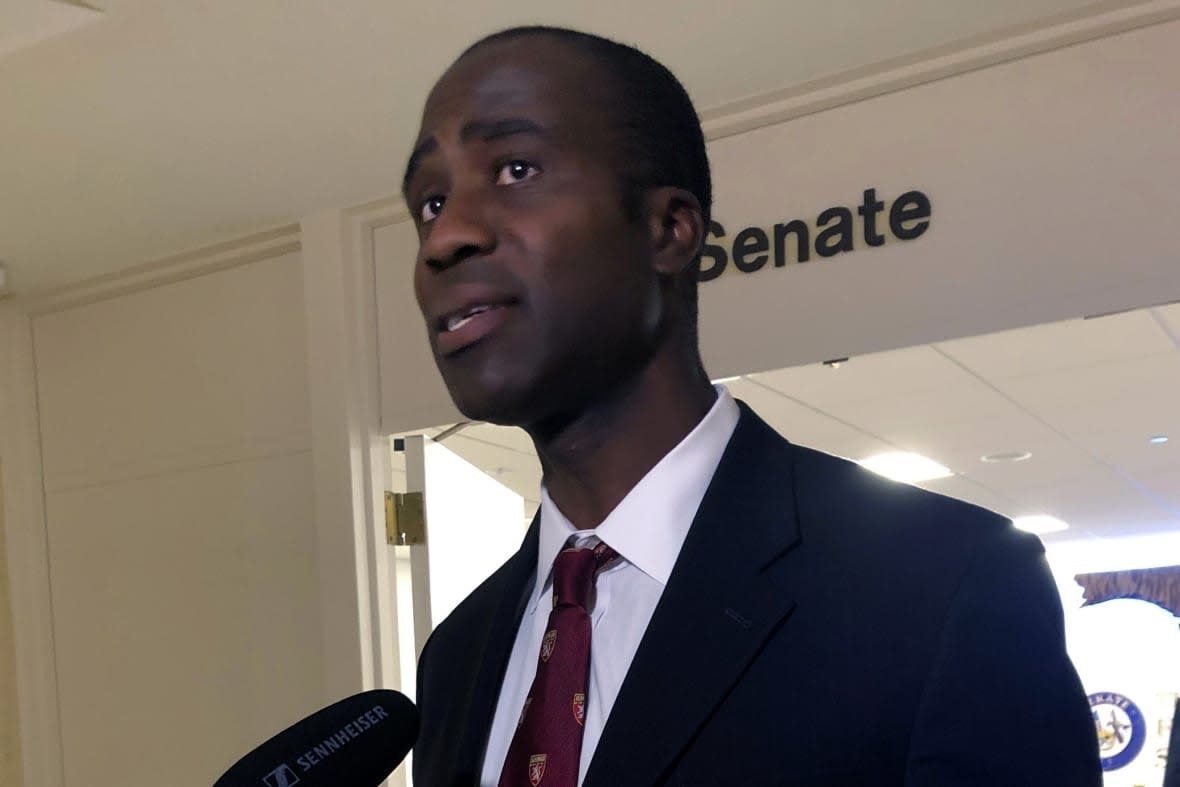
[494, 406]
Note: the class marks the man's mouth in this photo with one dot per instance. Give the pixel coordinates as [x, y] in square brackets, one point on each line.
[459, 330]
[457, 321]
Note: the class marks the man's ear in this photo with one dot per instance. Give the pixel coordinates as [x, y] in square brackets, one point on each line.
[677, 228]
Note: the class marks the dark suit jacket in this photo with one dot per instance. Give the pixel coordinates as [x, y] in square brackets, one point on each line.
[822, 626]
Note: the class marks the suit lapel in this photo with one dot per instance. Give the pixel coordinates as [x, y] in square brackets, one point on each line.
[490, 656]
[720, 606]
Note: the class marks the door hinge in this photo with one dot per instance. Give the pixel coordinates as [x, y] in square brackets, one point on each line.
[405, 518]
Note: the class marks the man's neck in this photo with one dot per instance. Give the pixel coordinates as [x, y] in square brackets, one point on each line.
[593, 461]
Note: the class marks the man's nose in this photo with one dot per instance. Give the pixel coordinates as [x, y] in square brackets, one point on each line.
[461, 230]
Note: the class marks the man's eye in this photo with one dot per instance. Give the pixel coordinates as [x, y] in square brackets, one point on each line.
[431, 208]
[515, 172]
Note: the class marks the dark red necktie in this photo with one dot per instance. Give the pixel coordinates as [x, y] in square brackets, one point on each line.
[547, 746]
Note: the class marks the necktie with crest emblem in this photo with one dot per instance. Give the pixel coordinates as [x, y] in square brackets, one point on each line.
[546, 748]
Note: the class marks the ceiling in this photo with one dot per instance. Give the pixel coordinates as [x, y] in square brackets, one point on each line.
[143, 128]
[1082, 396]
[29, 22]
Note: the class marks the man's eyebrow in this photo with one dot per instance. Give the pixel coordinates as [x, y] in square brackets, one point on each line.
[491, 130]
[482, 130]
[424, 149]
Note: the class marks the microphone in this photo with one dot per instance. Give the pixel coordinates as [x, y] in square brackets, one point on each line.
[355, 742]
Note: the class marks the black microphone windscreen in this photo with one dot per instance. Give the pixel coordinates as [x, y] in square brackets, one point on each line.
[356, 742]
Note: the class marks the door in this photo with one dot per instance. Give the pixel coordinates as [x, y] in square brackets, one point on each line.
[473, 523]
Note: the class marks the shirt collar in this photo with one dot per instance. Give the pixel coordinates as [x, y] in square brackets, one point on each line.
[648, 527]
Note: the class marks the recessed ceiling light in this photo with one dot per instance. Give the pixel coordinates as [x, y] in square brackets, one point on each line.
[905, 466]
[1158, 439]
[1040, 523]
[1006, 456]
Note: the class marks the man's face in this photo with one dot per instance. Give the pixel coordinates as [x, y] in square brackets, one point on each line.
[535, 285]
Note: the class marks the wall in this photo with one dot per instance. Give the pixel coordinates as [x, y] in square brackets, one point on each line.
[10, 763]
[180, 529]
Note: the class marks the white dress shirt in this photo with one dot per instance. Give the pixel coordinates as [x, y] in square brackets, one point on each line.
[647, 529]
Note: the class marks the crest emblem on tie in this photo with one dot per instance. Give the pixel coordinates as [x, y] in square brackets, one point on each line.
[548, 644]
[537, 768]
[579, 706]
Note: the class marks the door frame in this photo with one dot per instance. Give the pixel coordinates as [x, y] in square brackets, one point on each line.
[28, 556]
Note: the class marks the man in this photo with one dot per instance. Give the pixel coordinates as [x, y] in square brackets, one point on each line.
[774, 615]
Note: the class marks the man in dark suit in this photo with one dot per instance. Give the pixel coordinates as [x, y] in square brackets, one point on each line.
[774, 615]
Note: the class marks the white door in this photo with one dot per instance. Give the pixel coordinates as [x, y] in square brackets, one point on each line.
[473, 524]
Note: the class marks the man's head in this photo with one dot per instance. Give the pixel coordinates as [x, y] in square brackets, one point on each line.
[663, 142]
[561, 190]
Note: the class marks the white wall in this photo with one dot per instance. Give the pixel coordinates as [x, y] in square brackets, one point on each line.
[182, 549]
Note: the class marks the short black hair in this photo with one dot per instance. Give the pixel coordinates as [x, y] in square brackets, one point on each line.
[662, 132]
